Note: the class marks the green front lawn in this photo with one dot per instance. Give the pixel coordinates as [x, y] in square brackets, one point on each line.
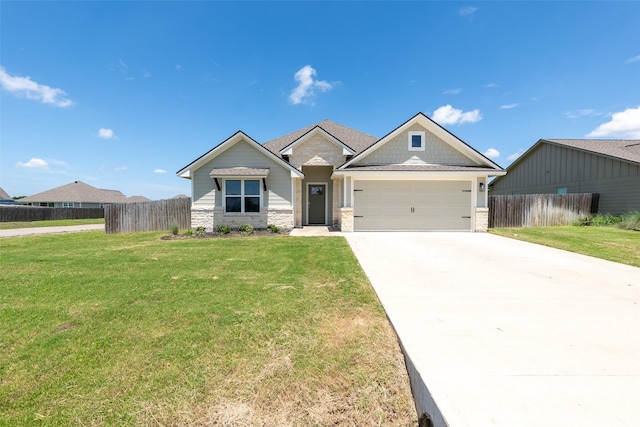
[129, 329]
[610, 243]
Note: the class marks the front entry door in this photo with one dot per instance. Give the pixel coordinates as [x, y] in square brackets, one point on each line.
[317, 201]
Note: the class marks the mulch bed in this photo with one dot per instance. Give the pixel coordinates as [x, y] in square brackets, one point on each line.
[232, 234]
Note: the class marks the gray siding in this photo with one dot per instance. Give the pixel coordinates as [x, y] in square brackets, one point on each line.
[242, 154]
[550, 167]
[396, 151]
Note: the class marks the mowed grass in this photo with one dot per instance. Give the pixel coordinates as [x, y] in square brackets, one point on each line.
[134, 330]
[610, 243]
[52, 223]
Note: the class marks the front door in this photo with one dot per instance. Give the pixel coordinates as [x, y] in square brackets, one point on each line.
[317, 203]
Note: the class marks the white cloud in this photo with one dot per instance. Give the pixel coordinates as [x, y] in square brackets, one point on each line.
[576, 114]
[159, 171]
[623, 124]
[453, 91]
[491, 85]
[447, 115]
[492, 153]
[34, 163]
[632, 60]
[512, 157]
[121, 168]
[307, 86]
[105, 133]
[24, 86]
[509, 106]
[468, 12]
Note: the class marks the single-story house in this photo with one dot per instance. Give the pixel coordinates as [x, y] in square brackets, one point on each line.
[417, 177]
[4, 195]
[79, 195]
[608, 167]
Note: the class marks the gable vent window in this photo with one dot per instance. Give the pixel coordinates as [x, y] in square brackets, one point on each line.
[416, 141]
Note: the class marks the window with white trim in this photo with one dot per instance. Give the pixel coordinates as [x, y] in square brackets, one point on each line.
[242, 196]
[416, 141]
[68, 204]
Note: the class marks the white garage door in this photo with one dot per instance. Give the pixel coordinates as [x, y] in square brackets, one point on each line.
[412, 205]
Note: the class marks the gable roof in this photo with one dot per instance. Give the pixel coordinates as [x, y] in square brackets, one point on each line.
[434, 128]
[185, 172]
[353, 139]
[4, 195]
[78, 192]
[623, 149]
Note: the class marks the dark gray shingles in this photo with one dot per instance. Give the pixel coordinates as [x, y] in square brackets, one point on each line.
[625, 149]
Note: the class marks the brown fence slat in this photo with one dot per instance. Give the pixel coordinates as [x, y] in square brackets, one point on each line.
[38, 213]
[540, 210]
[147, 216]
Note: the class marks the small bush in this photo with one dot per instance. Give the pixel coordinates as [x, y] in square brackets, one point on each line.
[631, 221]
[598, 220]
[273, 228]
[175, 229]
[245, 229]
[189, 233]
[199, 231]
[223, 229]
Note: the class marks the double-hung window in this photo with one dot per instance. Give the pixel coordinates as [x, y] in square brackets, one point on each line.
[242, 195]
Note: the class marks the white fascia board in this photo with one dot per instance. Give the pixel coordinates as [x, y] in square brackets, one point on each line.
[413, 175]
[288, 150]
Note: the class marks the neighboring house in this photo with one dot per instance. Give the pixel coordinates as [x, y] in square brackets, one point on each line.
[78, 195]
[417, 177]
[608, 167]
[4, 195]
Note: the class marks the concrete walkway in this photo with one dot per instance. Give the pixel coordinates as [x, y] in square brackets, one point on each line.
[499, 332]
[48, 230]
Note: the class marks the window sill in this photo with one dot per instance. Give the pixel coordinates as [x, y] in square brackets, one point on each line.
[242, 213]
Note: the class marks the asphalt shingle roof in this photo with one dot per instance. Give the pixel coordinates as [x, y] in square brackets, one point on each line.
[625, 149]
[356, 140]
[78, 192]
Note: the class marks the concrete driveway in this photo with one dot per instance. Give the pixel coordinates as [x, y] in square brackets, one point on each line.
[499, 332]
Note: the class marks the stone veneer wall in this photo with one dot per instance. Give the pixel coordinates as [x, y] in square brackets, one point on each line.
[346, 219]
[481, 220]
[281, 217]
[202, 218]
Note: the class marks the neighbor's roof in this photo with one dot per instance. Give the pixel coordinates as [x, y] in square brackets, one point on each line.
[3, 194]
[137, 199]
[356, 140]
[78, 192]
[625, 149]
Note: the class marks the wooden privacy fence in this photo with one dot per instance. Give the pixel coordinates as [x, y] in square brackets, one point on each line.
[37, 213]
[540, 210]
[147, 216]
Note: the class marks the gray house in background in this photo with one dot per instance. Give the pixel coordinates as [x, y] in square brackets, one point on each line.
[608, 167]
[79, 195]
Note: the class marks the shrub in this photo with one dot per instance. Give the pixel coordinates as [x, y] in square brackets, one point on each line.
[598, 220]
[189, 233]
[245, 229]
[631, 221]
[222, 228]
[175, 229]
[199, 231]
[273, 228]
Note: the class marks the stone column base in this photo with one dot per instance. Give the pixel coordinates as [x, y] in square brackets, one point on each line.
[346, 220]
[481, 220]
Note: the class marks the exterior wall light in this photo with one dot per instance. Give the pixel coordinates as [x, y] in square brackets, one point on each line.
[482, 186]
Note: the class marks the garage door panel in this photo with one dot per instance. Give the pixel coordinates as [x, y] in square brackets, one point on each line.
[412, 205]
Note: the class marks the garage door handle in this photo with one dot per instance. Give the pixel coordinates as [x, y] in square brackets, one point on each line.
[466, 217]
[358, 190]
[358, 216]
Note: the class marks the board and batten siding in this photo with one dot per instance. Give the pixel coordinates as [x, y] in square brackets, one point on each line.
[242, 154]
[396, 151]
[551, 166]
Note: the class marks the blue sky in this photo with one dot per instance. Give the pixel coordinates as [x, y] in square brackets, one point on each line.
[122, 94]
